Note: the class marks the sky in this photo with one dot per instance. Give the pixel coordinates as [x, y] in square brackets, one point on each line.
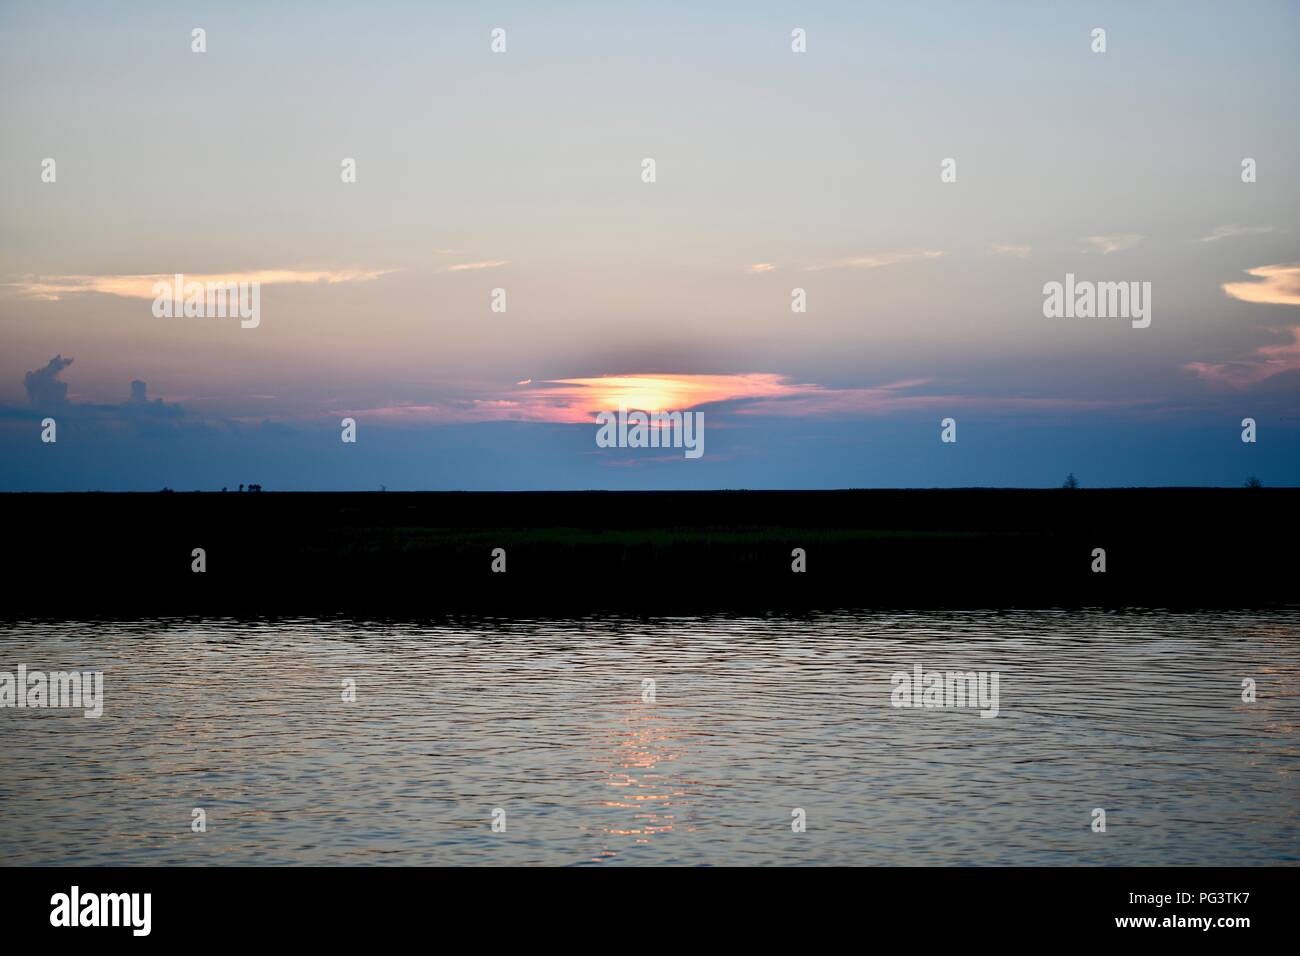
[523, 171]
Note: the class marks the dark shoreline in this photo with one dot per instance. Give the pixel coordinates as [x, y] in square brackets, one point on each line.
[427, 553]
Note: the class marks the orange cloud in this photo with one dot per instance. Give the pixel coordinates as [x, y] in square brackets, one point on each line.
[577, 400]
[574, 400]
[54, 288]
[1280, 285]
[470, 266]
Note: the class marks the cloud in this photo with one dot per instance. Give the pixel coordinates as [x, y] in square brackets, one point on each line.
[139, 403]
[662, 392]
[1004, 249]
[759, 267]
[1264, 362]
[1231, 232]
[468, 266]
[43, 385]
[1280, 285]
[577, 400]
[54, 288]
[817, 401]
[872, 262]
[45, 390]
[1108, 244]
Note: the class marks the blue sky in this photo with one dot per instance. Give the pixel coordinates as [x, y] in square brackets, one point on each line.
[522, 171]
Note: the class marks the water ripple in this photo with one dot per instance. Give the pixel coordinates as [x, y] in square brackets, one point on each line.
[1139, 713]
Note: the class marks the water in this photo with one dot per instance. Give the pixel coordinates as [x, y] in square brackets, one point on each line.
[1137, 713]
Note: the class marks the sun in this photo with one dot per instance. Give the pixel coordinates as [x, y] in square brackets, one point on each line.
[648, 394]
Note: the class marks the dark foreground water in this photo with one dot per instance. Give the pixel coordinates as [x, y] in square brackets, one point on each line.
[554, 723]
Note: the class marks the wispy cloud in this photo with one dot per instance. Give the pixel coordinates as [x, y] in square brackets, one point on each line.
[872, 262]
[1006, 249]
[758, 267]
[1231, 232]
[1108, 244]
[1279, 285]
[817, 401]
[470, 266]
[577, 400]
[54, 288]
[1264, 362]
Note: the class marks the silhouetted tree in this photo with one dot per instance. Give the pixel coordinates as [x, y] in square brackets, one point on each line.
[1071, 481]
[1254, 482]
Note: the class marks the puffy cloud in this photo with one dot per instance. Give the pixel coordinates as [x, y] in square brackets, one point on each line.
[43, 385]
[45, 389]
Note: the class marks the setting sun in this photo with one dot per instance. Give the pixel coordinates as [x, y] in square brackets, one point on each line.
[663, 392]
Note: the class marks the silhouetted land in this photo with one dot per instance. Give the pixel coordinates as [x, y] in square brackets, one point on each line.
[574, 552]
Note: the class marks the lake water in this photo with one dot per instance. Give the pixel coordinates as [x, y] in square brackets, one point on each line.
[747, 721]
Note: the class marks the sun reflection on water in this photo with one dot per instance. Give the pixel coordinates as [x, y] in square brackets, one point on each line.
[641, 748]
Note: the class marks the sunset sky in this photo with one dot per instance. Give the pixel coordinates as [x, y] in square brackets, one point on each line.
[522, 171]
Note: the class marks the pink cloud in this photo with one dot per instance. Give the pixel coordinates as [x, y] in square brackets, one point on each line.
[1277, 285]
[1264, 362]
[54, 288]
[577, 400]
